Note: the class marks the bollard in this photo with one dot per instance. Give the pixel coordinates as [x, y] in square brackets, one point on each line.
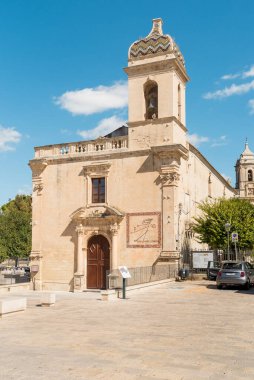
[124, 288]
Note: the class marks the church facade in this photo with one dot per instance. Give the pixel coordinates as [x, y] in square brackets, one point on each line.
[127, 198]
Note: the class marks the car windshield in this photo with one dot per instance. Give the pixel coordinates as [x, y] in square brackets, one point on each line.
[232, 266]
[214, 264]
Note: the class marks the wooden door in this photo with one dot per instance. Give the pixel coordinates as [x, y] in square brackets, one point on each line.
[98, 262]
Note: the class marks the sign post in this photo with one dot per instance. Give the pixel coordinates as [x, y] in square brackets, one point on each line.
[234, 237]
[125, 274]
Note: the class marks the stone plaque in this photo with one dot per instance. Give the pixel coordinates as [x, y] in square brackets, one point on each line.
[144, 230]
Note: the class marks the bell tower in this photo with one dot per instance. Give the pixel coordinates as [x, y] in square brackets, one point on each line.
[245, 174]
[156, 82]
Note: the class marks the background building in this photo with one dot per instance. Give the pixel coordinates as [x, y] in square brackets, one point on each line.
[244, 174]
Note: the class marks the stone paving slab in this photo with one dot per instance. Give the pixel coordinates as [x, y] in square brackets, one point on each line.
[186, 330]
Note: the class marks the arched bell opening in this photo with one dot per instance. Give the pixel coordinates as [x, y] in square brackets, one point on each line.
[151, 100]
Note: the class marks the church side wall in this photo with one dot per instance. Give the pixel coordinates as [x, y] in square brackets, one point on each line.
[198, 183]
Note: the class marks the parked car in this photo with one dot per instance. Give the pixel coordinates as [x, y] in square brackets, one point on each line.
[213, 268]
[235, 273]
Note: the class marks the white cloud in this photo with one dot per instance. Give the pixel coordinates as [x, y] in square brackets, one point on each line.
[196, 140]
[221, 141]
[251, 105]
[8, 136]
[104, 127]
[245, 74]
[94, 100]
[230, 76]
[229, 91]
[249, 73]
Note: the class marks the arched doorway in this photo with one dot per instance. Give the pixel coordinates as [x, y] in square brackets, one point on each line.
[98, 262]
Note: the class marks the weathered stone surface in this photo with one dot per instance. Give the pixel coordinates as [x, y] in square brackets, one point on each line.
[12, 305]
[188, 330]
[48, 299]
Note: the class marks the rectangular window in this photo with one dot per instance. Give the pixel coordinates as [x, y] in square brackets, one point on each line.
[98, 190]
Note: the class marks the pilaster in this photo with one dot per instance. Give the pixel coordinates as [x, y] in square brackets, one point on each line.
[114, 250]
[169, 176]
[79, 278]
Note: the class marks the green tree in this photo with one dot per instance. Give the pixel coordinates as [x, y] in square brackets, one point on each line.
[15, 227]
[210, 225]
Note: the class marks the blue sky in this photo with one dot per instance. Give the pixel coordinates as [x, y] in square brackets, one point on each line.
[61, 74]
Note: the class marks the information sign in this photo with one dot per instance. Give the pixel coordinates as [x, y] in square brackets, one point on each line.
[34, 268]
[201, 258]
[124, 272]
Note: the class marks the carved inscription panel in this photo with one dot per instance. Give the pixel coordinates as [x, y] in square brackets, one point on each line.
[144, 230]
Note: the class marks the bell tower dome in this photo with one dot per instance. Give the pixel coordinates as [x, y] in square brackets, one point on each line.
[156, 82]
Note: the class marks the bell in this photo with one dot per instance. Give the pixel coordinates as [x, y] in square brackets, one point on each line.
[151, 105]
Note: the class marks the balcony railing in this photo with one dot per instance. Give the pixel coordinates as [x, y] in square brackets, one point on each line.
[83, 147]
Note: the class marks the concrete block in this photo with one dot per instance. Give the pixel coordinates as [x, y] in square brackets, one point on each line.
[107, 295]
[12, 305]
[48, 299]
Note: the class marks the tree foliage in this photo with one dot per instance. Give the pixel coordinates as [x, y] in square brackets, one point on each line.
[15, 227]
[210, 225]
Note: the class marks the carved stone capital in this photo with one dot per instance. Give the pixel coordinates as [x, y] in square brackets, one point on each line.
[114, 229]
[35, 255]
[80, 229]
[170, 179]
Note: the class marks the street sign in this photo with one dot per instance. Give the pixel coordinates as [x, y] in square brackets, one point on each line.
[234, 236]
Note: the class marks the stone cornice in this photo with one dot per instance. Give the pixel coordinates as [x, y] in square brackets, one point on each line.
[177, 150]
[161, 120]
[164, 65]
[37, 167]
[97, 215]
[213, 170]
[95, 157]
[101, 168]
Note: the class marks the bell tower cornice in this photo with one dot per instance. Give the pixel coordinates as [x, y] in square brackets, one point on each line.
[166, 65]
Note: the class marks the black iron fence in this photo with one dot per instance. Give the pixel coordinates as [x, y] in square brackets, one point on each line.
[141, 275]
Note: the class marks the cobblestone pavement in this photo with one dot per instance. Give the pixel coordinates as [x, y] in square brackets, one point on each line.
[186, 330]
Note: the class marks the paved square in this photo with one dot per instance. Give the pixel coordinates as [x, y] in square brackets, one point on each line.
[187, 330]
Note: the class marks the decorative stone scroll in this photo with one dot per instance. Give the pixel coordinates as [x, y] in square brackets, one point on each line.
[37, 167]
[250, 191]
[38, 187]
[35, 255]
[170, 178]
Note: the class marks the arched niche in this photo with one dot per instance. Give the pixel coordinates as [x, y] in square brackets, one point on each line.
[250, 175]
[151, 99]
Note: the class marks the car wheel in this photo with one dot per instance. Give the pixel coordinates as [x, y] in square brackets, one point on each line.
[219, 286]
[247, 285]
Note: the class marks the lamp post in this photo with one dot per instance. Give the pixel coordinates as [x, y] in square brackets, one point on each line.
[227, 228]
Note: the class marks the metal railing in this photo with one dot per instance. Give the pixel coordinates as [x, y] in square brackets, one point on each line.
[141, 275]
[10, 276]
